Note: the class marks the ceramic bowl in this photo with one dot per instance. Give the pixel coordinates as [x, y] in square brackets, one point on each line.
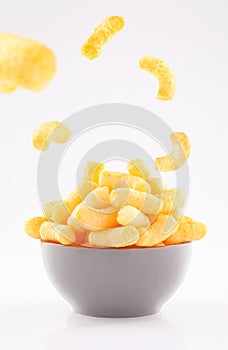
[116, 282]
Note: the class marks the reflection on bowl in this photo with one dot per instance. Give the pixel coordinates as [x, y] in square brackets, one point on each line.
[116, 282]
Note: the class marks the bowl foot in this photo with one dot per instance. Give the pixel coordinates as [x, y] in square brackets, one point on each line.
[103, 314]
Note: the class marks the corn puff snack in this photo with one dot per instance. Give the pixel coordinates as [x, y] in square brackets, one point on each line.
[112, 179]
[137, 167]
[189, 230]
[50, 131]
[92, 171]
[101, 215]
[163, 227]
[173, 199]
[101, 35]
[55, 233]
[32, 226]
[129, 215]
[98, 198]
[178, 156]
[146, 202]
[164, 74]
[24, 63]
[92, 219]
[114, 238]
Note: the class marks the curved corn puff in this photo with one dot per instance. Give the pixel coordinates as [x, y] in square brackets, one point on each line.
[114, 238]
[47, 208]
[164, 74]
[50, 131]
[32, 226]
[112, 178]
[101, 35]
[98, 198]
[52, 232]
[178, 156]
[146, 202]
[163, 227]
[173, 199]
[92, 171]
[93, 219]
[60, 213]
[156, 185]
[129, 215]
[24, 63]
[137, 167]
[188, 230]
[77, 196]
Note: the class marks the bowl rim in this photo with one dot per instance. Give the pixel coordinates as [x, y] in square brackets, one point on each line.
[81, 248]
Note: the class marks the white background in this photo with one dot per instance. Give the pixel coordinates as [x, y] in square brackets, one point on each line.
[192, 36]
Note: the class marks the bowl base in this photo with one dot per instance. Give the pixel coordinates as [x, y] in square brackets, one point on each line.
[117, 315]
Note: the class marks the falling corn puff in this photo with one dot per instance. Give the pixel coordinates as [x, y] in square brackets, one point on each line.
[179, 154]
[164, 74]
[50, 131]
[101, 35]
[24, 63]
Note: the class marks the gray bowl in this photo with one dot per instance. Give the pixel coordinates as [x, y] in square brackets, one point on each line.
[116, 282]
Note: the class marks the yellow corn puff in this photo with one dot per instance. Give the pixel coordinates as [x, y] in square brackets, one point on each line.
[114, 238]
[98, 198]
[24, 63]
[188, 230]
[137, 167]
[60, 213]
[163, 227]
[77, 196]
[6, 87]
[164, 74]
[156, 185]
[52, 232]
[101, 35]
[111, 178]
[172, 200]
[179, 154]
[47, 208]
[129, 215]
[50, 131]
[32, 226]
[146, 202]
[92, 171]
[74, 223]
[93, 219]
